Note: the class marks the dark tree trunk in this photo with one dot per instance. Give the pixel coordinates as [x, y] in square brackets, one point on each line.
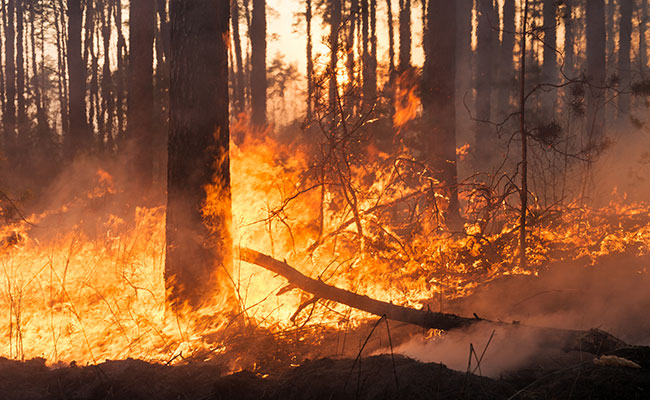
[59, 23]
[507, 75]
[372, 75]
[3, 24]
[258, 63]
[239, 74]
[569, 28]
[42, 125]
[485, 136]
[310, 61]
[624, 67]
[140, 100]
[438, 99]
[107, 82]
[78, 140]
[596, 70]
[391, 38]
[353, 20]
[9, 114]
[23, 131]
[464, 62]
[365, 56]
[643, 49]
[549, 66]
[198, 243]
[335, 25]
[121, 70]
[404, 35]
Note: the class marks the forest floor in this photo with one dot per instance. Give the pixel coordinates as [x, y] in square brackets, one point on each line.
[608, 296]
[378, 377]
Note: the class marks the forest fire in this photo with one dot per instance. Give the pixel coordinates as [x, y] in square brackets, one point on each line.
[343, 199]
[86, 297]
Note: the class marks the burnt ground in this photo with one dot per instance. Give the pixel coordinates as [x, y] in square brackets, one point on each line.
[376, 377]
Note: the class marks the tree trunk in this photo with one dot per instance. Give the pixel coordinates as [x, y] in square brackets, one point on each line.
[596, 70]
[107, 82]
[569, 58]
[59, 23]
[507, 75]
[78, 140]
[438, 100]
[335, 25]
[23, 129]
[9, 114]
[258, 63]
[365, 56]
[140, 100]
[239, 74]
[549, 66]
[485, 136]
[372, 75]
[404, 35]
[198, 242]
[643, 49]
[121, 70]
[624, 67]
[310, 61]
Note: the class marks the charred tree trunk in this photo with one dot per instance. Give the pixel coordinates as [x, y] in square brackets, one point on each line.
[78, 140]
[569, 58]
[464, 62]
[549, 66]
[107, 84]
[140, 94]
[121, 70]
[258, 63]
[23, 129]
[310, 61]
[624, 66]
[9, 114]
[239, 74]
[372, 75]
[365, 56]
[643, 47]
[335, 25]
[44, 140]
[596, 70]
[198, 242]
[404, 35]
[507, 76]
[438, 100]
[391, 38]
[350, 101]
[485, 136]
[62, 69]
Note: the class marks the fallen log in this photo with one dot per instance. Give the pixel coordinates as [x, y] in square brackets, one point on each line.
[593, 341]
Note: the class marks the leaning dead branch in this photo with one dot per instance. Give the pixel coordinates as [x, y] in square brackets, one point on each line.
[593, 341]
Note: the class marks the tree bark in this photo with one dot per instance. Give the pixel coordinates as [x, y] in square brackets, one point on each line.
[258, 63]
[404, 35]
[335, 26]
[78, 140]
[596, 70]
[485, 136]
[549, 66]
[507, 75]
[624, 66]
[9, 114]
[239, 74]
[23, 131]
[198, 241]
[140, 101]
[593, 341]
[310, 61]
[643, 47]
[439, 100]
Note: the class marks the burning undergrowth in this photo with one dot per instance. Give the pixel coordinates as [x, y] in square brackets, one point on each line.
[83, 280]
